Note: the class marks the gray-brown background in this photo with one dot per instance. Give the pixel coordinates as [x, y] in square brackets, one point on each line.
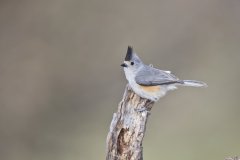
[61, 81]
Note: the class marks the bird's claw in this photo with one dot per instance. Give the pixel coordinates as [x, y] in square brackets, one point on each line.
[143, 109]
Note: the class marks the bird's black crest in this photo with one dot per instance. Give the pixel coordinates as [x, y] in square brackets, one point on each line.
[129, 53]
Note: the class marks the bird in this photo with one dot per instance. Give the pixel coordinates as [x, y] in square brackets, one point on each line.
[149, 82]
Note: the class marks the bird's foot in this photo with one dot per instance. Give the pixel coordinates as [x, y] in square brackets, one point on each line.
[143, 109]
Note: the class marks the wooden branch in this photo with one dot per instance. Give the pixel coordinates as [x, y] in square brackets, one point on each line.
[127, 129]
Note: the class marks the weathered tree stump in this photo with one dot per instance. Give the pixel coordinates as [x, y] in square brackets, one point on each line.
[127, 129]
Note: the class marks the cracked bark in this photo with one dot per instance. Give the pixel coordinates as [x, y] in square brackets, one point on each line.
[127, 129]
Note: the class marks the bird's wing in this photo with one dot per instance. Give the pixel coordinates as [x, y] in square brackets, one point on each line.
[151, 77]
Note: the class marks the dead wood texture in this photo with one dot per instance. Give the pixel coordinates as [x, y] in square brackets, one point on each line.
[127, 129]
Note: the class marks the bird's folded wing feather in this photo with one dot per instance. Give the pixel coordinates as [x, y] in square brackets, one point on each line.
[151, 77]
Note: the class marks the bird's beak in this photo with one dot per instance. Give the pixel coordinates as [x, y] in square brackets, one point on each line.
[124, 65]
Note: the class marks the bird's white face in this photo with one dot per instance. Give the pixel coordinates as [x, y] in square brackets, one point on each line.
[133, 65]
[129, 71]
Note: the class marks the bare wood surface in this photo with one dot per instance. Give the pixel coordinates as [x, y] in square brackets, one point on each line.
[127, 129]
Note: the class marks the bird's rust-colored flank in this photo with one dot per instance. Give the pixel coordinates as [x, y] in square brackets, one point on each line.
[150, 88]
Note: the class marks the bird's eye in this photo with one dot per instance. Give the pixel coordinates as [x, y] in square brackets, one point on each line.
[132, 63]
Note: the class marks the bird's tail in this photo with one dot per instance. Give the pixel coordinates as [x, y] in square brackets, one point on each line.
[193, 83]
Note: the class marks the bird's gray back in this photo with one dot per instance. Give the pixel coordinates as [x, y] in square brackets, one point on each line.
[149, 76]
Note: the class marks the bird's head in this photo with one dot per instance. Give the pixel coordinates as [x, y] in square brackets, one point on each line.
[131, 62]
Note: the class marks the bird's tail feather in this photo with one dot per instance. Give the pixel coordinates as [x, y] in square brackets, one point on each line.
[193, 83]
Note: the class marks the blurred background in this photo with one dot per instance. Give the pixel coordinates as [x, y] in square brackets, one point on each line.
[61, 80]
